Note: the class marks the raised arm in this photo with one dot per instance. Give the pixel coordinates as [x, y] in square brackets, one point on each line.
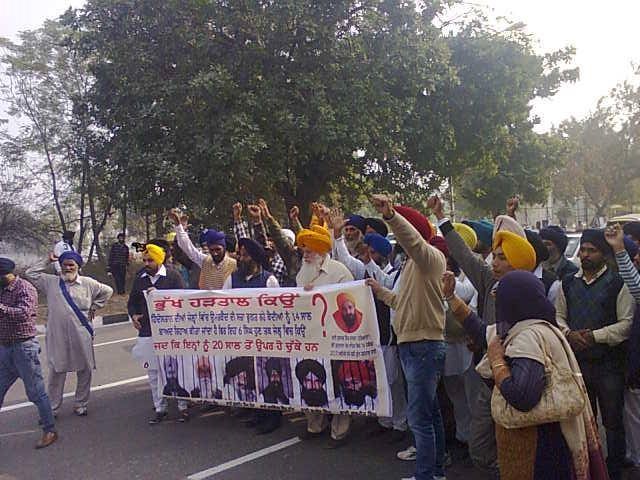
[182, 237]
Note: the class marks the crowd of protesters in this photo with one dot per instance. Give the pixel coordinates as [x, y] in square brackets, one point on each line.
[498, 350]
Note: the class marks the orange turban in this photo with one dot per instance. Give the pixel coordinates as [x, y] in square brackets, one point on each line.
[316, 238]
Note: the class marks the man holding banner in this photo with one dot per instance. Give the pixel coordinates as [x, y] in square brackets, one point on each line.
[319, 269]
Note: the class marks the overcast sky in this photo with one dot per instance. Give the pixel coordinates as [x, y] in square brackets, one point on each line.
[605, 35]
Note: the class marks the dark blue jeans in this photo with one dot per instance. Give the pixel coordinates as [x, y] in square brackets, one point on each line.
[422, 363]
[21, 360]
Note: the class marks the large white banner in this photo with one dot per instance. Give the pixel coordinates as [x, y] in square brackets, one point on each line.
[283, 348]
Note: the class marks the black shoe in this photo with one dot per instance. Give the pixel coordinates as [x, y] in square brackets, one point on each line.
[157, 418]
[307, 435]
[184, 416]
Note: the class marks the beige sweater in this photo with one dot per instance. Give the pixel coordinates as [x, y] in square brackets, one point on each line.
[418, 302]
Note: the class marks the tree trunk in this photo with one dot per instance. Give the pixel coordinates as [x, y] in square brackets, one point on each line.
[147, 226]
[83, 189]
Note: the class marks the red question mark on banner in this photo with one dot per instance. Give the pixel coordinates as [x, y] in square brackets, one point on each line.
[319, 296]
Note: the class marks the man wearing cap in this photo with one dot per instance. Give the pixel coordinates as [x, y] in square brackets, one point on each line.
[72, 300]
[419, 326]
[64, 245]
[118, 261]
[511, 251]
[215, 267]
[594, 309]
[319, 269]
[154, 275]
[19, 348]
[556, 242]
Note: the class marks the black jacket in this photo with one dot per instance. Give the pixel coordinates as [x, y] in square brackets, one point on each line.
[137, 303]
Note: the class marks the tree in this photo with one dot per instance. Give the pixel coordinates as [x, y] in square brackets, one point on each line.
[602, 158]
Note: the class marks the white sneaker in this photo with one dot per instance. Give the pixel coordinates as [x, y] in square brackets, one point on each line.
[439, 478]
[408, 454]
[408, 478]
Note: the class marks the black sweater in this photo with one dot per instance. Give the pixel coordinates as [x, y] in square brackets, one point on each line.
[138, 305]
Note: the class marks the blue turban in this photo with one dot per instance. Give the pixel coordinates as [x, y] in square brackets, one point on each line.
[378, 243]
[6, 266]
[70, 255]
[211, 237]
[357, 221]
[630, 246]
[483, 229]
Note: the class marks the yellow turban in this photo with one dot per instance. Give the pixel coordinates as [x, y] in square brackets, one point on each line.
[519, 252]
[155, 253]
[467, 234]
[316, 238]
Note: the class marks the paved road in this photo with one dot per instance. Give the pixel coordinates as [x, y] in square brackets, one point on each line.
[115, 442]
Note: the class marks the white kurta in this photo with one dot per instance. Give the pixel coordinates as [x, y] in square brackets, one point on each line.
[69, 344]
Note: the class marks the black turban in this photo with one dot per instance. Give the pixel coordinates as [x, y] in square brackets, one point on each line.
[555, 234]
[596, 237]
[6, 266]
[378, 225]
[535, 240]
[255, 251]
[632, 229]
[305, 366]
[237, 365]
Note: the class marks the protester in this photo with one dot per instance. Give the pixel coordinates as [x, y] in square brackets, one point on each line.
[354, 229]
[594, 310]
[419, 325]
[319, 269]
[72, 300]
[284, 241]
[556, 242]
[216, 267]
[625, 249]
[459, 377]
[258, 233]
[484, 233]
[548, 277]
[524, 336]
[508, 247]
[154, 275]
[252, 272]
[19, 348]
[64, 245]
[118, 262]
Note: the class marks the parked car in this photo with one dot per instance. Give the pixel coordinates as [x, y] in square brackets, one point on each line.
[573, 248]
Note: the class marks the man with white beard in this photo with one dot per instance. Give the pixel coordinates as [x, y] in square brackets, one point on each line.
[318, 269]
[72, 300]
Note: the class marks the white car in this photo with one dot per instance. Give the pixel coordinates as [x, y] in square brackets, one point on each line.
[573, 248]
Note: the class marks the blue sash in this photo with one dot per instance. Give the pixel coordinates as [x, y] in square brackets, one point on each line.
[81, 316]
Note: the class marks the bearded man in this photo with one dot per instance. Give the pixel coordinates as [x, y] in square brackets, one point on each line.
[72, 300]
[354, 381]
[214, 263]
[312, 377]
[319, 269]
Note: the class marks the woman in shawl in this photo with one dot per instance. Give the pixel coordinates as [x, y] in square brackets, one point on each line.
[526, 331]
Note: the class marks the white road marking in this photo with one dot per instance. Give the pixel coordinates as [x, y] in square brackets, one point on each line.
[112, 342]
[106, 386]
[244, 459]
[24, 432]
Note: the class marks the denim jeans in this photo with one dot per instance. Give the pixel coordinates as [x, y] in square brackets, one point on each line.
[21, 360]
[423, 363]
